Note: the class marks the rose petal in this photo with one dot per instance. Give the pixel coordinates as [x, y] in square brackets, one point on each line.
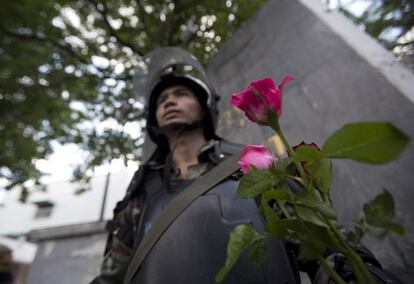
[249, 103]
[288, 78]
[258, 107]
[256, 155]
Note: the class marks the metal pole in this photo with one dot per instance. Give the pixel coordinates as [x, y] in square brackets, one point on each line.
[108, 176]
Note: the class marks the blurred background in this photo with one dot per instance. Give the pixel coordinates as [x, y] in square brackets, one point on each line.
[72, 128]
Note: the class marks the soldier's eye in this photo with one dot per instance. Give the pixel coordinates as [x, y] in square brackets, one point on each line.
[182, 93]
[161, 99]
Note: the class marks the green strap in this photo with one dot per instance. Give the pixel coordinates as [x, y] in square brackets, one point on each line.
[176, 207]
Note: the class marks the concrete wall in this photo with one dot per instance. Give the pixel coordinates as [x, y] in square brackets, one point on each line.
[67, 255]
[342, 75]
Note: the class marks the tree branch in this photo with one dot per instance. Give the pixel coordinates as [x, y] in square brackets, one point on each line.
[174, 28]
[141, 12]
[103, 11]
[67, 48]
[411, 42]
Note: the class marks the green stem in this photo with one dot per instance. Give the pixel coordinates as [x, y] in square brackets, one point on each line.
[325, 197]
[361, 266]
[275, 126]
[358, 266]
[321, 259]
[330, 270]
[283, 208]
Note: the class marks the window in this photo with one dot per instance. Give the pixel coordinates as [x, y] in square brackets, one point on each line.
[44, 209]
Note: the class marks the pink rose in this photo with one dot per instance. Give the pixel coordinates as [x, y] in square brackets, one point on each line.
[256, 155]
[256, 107]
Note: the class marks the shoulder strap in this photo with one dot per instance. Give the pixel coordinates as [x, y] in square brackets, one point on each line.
[229, 148]
[176, 207]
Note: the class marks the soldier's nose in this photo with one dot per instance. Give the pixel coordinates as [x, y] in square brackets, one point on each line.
[169, 101]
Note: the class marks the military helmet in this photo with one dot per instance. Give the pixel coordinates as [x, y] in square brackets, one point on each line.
[168, 66]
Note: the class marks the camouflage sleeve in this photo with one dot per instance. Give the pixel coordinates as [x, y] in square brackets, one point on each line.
[115, 263]
[120, 245]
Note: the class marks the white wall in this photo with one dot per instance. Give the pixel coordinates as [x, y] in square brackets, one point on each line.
[18, 219]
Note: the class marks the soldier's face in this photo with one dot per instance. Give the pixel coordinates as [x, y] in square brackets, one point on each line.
[177, 104]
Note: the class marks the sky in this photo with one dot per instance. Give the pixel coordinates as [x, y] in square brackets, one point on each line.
[60, 164]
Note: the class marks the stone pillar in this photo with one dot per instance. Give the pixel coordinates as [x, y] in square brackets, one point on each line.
[342, 75]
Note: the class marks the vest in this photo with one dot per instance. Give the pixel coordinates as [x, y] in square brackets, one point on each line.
[193, 248]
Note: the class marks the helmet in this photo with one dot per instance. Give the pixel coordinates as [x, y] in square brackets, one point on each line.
[168, 66]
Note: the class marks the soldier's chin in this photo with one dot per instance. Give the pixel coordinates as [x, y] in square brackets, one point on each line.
[173, 121]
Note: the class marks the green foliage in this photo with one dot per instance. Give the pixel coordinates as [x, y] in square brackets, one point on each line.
[240, 238]
[258, 252]
[380, 213]
[323, 175]
[304, 213]
[278, 195]
[66, 66]
[384, 16]
[378, 220]
[274, 225]
[311, 199]
[254, 183]
[307, 154]
[317, 167]
[309, 215]
[368, 142]
[316, 239]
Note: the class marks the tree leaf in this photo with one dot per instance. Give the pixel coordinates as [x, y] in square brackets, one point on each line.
[368, 142]
[43, 72]
[254, 183]
[240, 238]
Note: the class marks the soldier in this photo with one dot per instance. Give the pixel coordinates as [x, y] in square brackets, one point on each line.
[191, 247]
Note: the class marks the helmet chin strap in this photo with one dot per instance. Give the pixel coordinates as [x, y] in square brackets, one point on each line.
[178, 128]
